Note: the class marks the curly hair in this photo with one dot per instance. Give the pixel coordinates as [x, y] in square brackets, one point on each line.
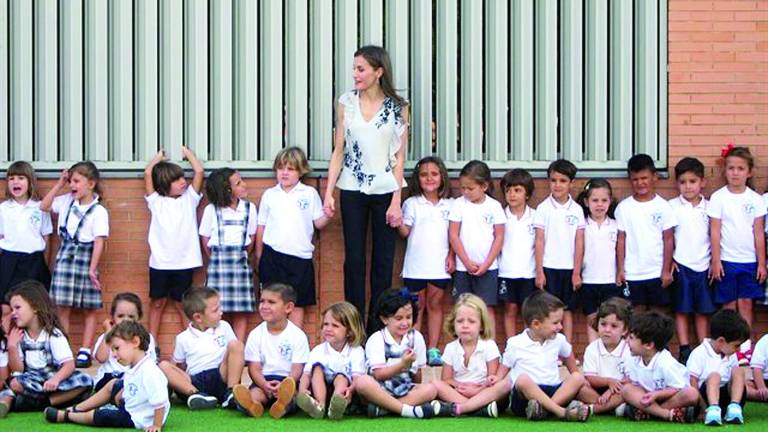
[218, 189]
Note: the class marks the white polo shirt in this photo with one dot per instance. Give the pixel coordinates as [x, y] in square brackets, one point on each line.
[599, 266]
[350, 361]
[203, 350]
[428, 244]
[476, 370]
[644, 224]
[23, 226]
[703, 361]
[737, 213]
[60, 350]
[600, 362]
[277, 353]
[375, 349]
[112, 365]
[233, 234]
[3, 357]
[559, 223]
[145, 389]
[760, 354]
[518, 259]
[661, 372]
[95, 225]
[538, 360]
[692, 248]
[477, 227]
[288, 219]
[173, 241]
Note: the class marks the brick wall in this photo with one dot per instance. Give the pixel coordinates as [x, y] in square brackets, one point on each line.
[718, 92]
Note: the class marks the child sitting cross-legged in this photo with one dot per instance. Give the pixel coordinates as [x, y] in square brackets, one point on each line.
[659, 385]
[212, 354]
[531, 358]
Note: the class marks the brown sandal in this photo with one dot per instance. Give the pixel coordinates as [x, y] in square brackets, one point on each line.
[577, 411]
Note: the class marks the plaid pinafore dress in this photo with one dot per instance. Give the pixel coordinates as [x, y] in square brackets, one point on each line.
[401, 383]
[229, 271]
[71, 284]
[32, 379]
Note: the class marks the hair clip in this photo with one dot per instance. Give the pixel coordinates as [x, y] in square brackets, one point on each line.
[725, 151]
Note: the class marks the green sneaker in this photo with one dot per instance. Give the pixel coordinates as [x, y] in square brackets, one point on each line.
[433, 357]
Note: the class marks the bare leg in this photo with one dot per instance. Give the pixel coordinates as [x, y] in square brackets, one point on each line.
[156, 308]
[681, 322]
[568, 325]
[491, 394]
[737, 384]
[434, 314]
[84, 418]
[591, 332]
[183, 321]
[420, 394]
[319, 389]
[340, 385]
[259, 396]
[232, 364]
[446, 392]
[89, 327]
[702, 326]
[179, 381]
[633, 394]
[713, 388]
[64, 314]
[419, 323]
[60, 398]
[240, 325]
[370, 389]
[510, 319]
[745, 310]
[297, 316]
[492, 316]
[100, 398]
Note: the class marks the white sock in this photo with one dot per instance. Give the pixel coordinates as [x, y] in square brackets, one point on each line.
[411, 411]
[84, 349]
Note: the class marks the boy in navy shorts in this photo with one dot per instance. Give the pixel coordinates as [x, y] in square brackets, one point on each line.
[645, 241]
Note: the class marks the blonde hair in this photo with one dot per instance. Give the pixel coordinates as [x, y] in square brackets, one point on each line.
[295, 157]
[348, 316]
[478, 305]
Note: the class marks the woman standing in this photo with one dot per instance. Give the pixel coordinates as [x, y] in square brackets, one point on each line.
[367, 165]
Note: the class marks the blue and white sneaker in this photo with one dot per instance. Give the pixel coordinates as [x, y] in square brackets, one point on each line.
[434, 358]
[200, 401]
[713, 416]
[733, 414]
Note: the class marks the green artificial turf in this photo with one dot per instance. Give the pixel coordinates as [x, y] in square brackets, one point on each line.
[181, 419]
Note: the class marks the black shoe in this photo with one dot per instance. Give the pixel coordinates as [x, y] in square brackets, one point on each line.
[229, 400]
[376, 411]
[444, 409]
[83, 360]
[199, 401]
[27, 403]
[491, 410]
[428, 410]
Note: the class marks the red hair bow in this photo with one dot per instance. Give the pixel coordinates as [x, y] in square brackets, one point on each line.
[726, 150]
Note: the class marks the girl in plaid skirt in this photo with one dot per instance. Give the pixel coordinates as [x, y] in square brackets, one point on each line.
[227, 232]
[38, 350]
[83, 229]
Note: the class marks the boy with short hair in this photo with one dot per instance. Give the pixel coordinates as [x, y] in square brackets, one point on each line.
[659, 385]
[212, 354]
[715, 370]
[645, 241]
[559, 222]
[275, 351]
[691, 289]
[531, 358]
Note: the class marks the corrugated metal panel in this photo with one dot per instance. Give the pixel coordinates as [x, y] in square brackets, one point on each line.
[236, 80]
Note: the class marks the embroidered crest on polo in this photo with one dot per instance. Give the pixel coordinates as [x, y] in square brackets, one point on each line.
[133, 389]
[571, 220]
[286, 350]
[221, 340]
[748, 208]
[656, 218]
[36, 218]
[303, 203]
[531, 230]
[445, 213]
[614, 235]
[488, 218]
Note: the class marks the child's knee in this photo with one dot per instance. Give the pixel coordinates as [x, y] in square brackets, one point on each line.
[690, 395]
[166, 366]
[577, 378]
[158, 303]
[235, 346]
[16, 386]
[713, 379]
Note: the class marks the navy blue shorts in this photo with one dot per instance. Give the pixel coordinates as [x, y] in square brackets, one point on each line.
[591, 296]
[648, 293]
[515, 290]
[739, 282]
[560, 285]
[725, 396]
[692, 292]
[106, 379]
[211, 383]
[113, 415]
[416, 285]
[485, 286]
[169, 283]
[518, 402]
[297, 272]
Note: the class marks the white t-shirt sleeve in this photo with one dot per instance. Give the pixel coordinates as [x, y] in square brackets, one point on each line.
[695, 364]
[193, 196]
[208, 222]
[565, 347]
[510, 358]
[581, 223]
[60, 350]
[591, 357]
[100, 222]
[61, 203]
[301, 353]
[229, 334]
[156, 385]
[541, 216]
[449, 354]
[151, 349]
[315, 357]
[46, 227]
[252, 220]
[499, 218]
[760, 209]
[618, 215]
[715, 207]
[409, 215]
[264, 207]
[676, 375]
[492, 351]
[316, 205]
[179, 351]
[2, 230]
[252, 347]
[457, 210]
[760, 354]
[668, 215]
[420, 348]
[3, 358]
[374, 351]
[357, 361]
[151, 200]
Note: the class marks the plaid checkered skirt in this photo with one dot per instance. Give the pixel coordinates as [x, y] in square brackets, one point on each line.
[33, 379]
[71, 285]
[399, 385]
[231, 275]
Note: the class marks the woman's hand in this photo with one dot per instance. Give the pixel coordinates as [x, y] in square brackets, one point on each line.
[394, 215]
[329, 205]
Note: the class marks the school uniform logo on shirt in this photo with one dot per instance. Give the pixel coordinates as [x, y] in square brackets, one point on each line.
[749, 209]
[531, 230]
[445, 214]
[133, 389]
[571, 220]
[488, 218]
[303, 203]
[286, 350]
[656, 219]
[614, 235]
[659, 384]
[36, 218]
[220, 340]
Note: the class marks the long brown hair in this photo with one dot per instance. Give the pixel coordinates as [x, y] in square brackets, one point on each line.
[378, 57]
[34, 293]
[22, 168]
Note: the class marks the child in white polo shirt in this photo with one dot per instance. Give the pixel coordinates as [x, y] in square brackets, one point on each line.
[606, 358]
[173, 243]
[429, 259]
[276, 352]
[757, 388]
[659, 385]
[645, 241]
[559, 223]
[692, 289]
[598, 271]
[333, 364]
[212, 354]
[531, 358]
[139, 400]
[517, 263]
[289, 212]
[715, 370]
